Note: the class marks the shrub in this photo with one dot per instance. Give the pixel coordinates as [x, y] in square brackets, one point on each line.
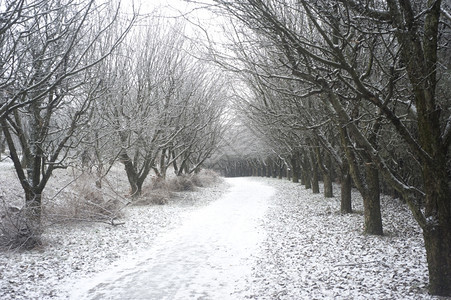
[159, 192]
[181, 183]
[15, 231]
[197, 180]
[158, 183]
[85, 202]
[205, 178]
[150, 196]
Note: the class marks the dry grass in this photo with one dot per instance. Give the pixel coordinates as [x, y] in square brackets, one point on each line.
[86, 202]
[15, 231]
[181, 183]
[160, 191]
[206, 178]
[153, 197]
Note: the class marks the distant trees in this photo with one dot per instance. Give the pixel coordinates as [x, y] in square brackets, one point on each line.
[356, 82]
[163, 107]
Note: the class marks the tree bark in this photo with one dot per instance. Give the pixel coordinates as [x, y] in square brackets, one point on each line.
[315, 177]
[326, 171]
[132, 175]
[346, 188]
[281, 169]
[437, 240]
[2, 143]
[275, 169]
[33, 212]
[371, 202]
[306, 172]
[328, 188]
[294, 168]
[163, 167]
[268, 168]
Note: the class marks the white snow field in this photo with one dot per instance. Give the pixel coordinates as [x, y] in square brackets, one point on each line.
[261, 239]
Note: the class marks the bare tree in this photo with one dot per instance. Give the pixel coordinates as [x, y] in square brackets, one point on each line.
[164, 105]
[51, 90]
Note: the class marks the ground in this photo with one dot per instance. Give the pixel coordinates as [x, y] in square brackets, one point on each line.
[314, 252]
[267, 239]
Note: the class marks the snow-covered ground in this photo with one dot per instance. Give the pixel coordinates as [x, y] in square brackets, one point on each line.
[313, 252]
[209, 257]
[72, 251]
[267, 239]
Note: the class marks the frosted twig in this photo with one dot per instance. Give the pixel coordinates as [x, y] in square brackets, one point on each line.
[357, 264]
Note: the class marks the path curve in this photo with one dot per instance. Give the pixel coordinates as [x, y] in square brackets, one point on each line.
[209, 257]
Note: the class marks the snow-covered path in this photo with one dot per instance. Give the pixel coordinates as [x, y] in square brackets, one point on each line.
[209, 257]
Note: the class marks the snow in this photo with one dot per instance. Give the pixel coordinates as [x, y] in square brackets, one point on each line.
[206, 257]
[313, 252]
[262, 239]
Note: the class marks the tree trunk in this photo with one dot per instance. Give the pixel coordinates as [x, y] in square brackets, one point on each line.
[327, 178]
[2, 143]
[132, 176]
[315, 177]
[281, 169]
[371, 202]
[437, 240]
[174, 163]
[30, 231]
[268, 169]
[315, 181]
[33, 206]
[133, 181]
[328, 189]
[326, 170]
[295, 168]
[138, 192]
[306, 173]
[370, 190]
[163, 167]
[99, 174]
[437, 233]
[346, 188]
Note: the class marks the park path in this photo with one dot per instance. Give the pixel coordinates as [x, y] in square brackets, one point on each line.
[208, 257]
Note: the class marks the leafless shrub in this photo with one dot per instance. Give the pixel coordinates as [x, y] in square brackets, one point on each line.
[205, 178]
[152, 196]
[160, 191]
[159, 183]
[181, 183]
[15, 231]
[86, 202]
[197, 180]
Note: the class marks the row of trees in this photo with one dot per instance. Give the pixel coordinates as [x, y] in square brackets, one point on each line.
[163, 107]
[86, 83]
[354, 88]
